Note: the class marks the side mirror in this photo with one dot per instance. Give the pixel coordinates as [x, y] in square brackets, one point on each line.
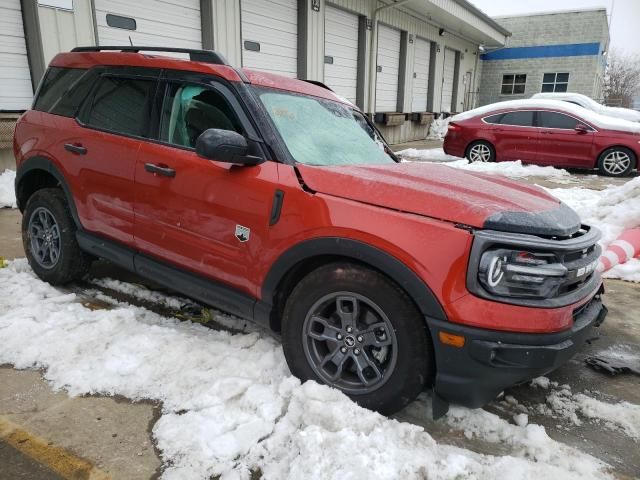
[225, 146]
[581, 128]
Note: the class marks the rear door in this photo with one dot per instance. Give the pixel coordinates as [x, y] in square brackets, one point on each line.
[113, 121]
[516, 137]
[561, 144]
[209, 217]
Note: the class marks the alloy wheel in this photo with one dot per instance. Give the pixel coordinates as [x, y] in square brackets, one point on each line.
[616, 162]
[480, 153]
[44, 234]
[349, 342]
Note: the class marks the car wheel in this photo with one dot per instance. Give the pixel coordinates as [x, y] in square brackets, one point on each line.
[352, 328]
[481, 152]
[616, 162]
[48, 237]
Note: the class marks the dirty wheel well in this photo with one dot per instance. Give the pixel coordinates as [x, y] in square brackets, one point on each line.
[33, 181]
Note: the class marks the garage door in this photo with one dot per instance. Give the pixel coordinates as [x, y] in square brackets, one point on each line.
[163, 23]
[421, 76]
[15, 77]
[388, 69]
[341, 52]
[270, 35]
[447, 79]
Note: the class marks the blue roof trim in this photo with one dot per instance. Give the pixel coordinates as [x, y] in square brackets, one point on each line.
[566, 50]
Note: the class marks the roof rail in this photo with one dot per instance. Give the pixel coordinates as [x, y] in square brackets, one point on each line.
[204, 56]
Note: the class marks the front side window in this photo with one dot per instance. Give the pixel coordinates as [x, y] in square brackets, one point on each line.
[555, 82]
[519, 118]
[189, 109]
[323, 132]
[120, 105]
[513, 84]
[557, 120]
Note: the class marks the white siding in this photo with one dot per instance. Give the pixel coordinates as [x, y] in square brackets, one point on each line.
[389, 61]
[447, 79]
[274, 25]
[341, 43]
[15, 77]
[421, 75]
[158, 23]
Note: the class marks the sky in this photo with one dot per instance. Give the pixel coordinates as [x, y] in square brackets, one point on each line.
[625, 34]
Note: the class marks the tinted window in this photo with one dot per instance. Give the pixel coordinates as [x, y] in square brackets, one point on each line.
[188, 110]
[120, 105]
[63, 90]
[557, 120]
[522, 119]
[494, 118]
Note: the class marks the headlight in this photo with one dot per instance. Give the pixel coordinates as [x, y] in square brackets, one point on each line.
[519, 273]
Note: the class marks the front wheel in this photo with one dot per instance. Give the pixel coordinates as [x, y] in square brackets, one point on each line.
[481, 151]
[616, 162]
[352, 328]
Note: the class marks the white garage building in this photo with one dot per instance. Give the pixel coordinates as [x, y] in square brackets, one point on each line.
[397, 60]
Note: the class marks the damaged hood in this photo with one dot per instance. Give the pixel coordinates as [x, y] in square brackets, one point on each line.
[449, 194]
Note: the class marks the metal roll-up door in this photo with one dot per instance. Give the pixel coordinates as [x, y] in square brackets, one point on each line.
[388, 69]
[15, 77]
[270, 36]
[448, 75]
[166, 23]
[341, 52]
[421, 75]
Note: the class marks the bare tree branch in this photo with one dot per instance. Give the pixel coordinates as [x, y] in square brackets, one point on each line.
[622, 79]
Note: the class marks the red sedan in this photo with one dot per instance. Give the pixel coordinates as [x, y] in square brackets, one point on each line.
[545, 132]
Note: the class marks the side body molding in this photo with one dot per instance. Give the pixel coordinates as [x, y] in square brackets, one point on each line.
[420, 293]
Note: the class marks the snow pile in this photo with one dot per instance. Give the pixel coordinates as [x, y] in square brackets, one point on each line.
[596, 119]
[231, 407]
[629, 271]
[438, 128]
[514, 169]
[428, 155]
[7, 189]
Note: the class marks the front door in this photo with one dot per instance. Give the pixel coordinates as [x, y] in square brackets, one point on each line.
[209, 217]
[561, 144]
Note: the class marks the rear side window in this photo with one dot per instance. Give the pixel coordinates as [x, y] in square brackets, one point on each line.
[557, 120]
[494, 118]
[63, 90]
[520, 119]
[120, 105]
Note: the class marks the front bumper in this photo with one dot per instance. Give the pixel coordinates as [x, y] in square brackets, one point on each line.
[491, 361]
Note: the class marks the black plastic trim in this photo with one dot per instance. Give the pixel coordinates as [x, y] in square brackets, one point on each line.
[559, 222]
[276, 207]
[195, 55]
[387, 264]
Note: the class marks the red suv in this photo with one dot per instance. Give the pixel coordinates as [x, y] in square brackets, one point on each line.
[545, 132]
[277, 201]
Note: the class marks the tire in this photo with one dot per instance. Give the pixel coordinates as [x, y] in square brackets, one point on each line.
[481, 151]
[616, 162]
[47, 227]
[388, 325]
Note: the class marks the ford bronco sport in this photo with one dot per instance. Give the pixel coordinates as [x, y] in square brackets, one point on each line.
[276, 201]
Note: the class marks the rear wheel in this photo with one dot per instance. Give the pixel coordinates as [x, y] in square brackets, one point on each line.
[481, 151]
[352, 328]
[616, 162]
[49, 240]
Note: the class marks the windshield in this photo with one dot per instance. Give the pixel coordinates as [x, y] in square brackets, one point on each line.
[322, 132]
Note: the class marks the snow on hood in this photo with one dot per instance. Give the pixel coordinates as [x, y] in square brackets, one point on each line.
[596, 119]
[428, 189]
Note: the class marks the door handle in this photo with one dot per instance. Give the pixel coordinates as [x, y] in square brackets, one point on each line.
[160, 170]
[79, 149]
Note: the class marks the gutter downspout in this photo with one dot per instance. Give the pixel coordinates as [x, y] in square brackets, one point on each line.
[373, 52]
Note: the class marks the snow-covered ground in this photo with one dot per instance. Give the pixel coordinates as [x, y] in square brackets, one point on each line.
[230, 405]
[7, 191]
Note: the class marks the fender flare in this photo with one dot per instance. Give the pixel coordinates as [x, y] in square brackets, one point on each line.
[406, 278]
[46, 165]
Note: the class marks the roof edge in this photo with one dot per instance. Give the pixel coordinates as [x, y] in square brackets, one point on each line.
[555, 12]
[476, 11]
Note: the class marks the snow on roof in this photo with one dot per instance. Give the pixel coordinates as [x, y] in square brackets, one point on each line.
[578, 97]
[595, 119]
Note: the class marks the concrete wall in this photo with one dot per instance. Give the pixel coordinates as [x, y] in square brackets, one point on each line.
[585, 72]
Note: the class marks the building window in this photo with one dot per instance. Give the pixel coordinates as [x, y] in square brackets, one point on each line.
[555, 82]
[513, 84]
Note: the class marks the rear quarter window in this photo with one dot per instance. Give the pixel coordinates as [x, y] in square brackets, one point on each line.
[63, 90]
